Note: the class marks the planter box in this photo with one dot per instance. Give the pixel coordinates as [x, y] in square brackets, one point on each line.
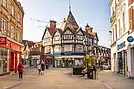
[77, 71]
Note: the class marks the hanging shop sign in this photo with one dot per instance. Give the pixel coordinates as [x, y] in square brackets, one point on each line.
[130, 39]
[122, 45]
[3, 40]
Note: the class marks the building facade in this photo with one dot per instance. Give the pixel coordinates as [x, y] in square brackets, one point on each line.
[122, 26]
[66, 46]
[27, 45]
[11, 32]
[35, 54]
[104, 56]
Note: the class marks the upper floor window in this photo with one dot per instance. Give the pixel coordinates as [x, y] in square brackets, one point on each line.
[4, 26]
[80, 37]
[13, 10]
[18, 18]
[12, 32]
[68, 47]
[95, 41]
[68, 37]
[4, 3]
[57, 38]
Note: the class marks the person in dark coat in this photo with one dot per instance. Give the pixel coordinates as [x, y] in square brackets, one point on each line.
[42, 67]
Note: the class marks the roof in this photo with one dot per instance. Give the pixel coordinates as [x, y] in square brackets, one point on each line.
[69, 21]
[30, 43]
[35, 51]
[57, 29]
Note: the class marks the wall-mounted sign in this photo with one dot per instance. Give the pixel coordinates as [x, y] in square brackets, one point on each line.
[3, 40]
[122, 45]
[130, 39]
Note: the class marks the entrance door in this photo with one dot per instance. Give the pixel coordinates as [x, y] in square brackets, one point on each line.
[12, 62]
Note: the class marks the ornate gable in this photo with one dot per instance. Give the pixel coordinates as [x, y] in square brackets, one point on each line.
[70, 22]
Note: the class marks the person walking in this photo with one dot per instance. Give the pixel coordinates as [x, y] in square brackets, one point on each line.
[42, 67]
[20, 70]
[39, 68]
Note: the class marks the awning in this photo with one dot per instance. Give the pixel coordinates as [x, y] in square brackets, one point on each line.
[70, 57]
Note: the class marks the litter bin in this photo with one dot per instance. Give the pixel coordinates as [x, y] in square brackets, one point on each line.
[90, 73]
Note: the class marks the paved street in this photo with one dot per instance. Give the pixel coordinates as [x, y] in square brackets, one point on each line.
[63, 79]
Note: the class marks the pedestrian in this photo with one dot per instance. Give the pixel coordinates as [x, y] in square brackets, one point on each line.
[20, 70]
[39, 68]
[42, 67]
[84, 72]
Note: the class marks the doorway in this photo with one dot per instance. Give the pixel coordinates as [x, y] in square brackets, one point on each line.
[12, 62]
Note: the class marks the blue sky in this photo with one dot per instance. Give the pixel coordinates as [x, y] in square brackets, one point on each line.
[94, 12]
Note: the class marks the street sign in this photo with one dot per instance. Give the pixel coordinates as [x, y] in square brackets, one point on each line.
[2, 40]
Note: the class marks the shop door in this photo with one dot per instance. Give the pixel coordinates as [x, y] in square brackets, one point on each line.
[12, 62]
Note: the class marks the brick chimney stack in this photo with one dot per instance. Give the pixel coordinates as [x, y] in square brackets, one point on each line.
[52, 24]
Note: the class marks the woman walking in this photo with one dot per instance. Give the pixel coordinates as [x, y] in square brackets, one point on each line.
[20, 70]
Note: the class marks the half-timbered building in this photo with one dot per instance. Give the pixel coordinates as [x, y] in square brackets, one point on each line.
[69, 43]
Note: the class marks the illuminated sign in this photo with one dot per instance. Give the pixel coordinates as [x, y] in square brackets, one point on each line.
[3, 40]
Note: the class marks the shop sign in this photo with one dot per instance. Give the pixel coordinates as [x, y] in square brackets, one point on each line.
[120, 46]
[3, 40]
[130, 39]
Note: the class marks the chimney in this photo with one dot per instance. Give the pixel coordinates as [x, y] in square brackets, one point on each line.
[52, 24]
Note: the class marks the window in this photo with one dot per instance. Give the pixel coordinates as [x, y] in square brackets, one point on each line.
[4, 3]
[12, 32]
[19, 18]
[95, 41]
[79, 48]
[124, 28]
[119, 27]
[4, 26]
[68, 37]
[57, 38]
[115, 32]
[13, 11]
[80, 37]
[68, 47]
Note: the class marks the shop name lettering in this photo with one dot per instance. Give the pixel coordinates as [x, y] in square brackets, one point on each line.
[120, 46]
[2, 40]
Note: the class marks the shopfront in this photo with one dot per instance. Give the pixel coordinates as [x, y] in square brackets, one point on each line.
[10, 55]
[130, 55]
[69, 59]
[122, 57]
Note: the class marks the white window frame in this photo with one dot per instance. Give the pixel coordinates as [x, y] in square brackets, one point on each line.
[4, 26]
[12, 32]
[19, 18]
[4, 3]
[13, 10]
